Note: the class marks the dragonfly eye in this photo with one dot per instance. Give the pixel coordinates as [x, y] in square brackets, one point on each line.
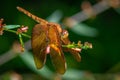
[65, 34]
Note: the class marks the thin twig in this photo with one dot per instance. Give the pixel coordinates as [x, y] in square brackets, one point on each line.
[97, 8]
[16, 32]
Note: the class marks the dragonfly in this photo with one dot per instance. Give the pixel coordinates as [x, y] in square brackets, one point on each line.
[48, 38]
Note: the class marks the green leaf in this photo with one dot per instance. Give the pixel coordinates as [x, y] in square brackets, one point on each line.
[11, 26]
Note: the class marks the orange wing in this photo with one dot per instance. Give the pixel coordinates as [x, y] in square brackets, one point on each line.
[75, 53]
[39, 44]
[65, 41]
[56, 53]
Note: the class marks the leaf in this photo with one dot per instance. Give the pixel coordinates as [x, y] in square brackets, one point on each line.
[11, 26]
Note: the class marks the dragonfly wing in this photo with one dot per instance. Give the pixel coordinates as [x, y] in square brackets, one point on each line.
[75, 53]
[39, 44]
[57, 58]
[56, 53]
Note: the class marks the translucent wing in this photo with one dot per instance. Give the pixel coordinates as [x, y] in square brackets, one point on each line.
[39, 44]
[57, 58]
[75, 53]
[56, 53]
[65, 41]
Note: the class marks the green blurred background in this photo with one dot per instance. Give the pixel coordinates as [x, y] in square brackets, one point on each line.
[102, 31]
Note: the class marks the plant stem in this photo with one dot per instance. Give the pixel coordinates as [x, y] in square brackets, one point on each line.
[21, 40]
[16, 32]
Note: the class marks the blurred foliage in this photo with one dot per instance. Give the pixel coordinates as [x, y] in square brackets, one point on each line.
[103, 58]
